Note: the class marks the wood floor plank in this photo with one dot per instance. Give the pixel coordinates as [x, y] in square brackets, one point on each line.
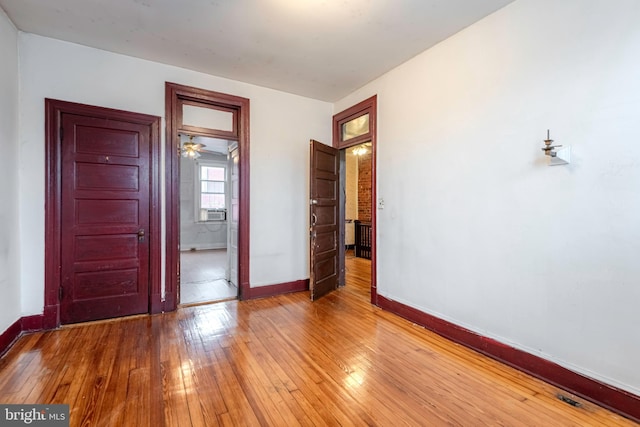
[239, 409]
[279, 361]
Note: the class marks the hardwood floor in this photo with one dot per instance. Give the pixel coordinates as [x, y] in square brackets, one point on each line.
[358, 275]
[280, 361]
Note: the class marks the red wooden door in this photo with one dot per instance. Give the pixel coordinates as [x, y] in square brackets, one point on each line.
[105, 193]
[324, 180]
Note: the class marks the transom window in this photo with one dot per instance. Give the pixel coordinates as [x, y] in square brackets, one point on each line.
[355, 125]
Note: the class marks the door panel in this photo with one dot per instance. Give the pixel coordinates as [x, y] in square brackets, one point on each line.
[105, 177]
[95, 212]
[324, 180]
[104, 218]
[325, 215]
[325, 242]
[123, 282]
[325, 188]
[108, 142]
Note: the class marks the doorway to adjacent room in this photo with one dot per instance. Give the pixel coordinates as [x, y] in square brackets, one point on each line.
[208, 257]
[354, 134]
[207, 161]
[357, 212]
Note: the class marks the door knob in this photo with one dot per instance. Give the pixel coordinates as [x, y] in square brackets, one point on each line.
[141, 235]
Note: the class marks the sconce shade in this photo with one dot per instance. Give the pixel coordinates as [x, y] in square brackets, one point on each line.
[557, 155]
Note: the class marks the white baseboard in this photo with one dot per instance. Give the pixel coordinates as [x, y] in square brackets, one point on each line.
[202, 246]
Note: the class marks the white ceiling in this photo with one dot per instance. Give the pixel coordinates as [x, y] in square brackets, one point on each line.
[323, 49]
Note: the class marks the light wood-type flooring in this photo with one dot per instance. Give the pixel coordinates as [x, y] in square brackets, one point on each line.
[280, 361]
[203, 277]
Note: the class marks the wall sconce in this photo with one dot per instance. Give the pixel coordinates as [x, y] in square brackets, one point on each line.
[556, 157]
[190, 149]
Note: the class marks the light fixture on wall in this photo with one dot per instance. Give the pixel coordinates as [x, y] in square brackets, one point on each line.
[191, 149]
[557, 155]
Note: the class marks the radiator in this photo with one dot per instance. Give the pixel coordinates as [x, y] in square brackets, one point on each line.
[349, 233]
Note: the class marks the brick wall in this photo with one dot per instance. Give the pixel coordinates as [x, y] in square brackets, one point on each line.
[364, 187]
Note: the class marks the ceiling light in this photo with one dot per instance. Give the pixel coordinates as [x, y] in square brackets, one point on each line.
[360, 150]
[190, 149]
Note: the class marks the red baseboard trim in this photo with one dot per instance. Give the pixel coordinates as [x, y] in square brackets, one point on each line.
[8, 337]
[273, 290]
[13, 332]
[612, 398]
[32, 323]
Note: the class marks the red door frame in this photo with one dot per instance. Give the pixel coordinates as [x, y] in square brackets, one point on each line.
[54, 109]
[369, 106]
[175, 96]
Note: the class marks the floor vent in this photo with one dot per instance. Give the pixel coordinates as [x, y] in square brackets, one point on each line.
[569, 400]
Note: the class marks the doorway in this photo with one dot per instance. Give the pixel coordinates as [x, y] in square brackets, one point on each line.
[210, 119]
[357, 211]
[354, 134]
[207, 247]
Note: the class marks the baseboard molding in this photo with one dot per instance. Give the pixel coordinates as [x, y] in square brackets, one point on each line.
[13, 332]
[612, 398]
[8, 337]
[202, 247]
[32, 323]
[273, 290]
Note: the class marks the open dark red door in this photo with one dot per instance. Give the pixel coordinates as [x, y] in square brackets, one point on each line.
[104, 218]
[324, 181]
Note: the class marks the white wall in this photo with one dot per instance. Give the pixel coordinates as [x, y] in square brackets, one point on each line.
[351, 196]
[351, 186]
[476, 228]
[281, 126]
[9, 199]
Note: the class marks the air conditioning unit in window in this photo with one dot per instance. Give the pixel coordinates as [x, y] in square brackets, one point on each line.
[216, 214]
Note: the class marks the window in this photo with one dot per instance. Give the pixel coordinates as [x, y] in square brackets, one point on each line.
[355, 125]
[210, 194]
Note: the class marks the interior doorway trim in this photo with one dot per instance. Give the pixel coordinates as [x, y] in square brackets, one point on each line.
[368, 106]
[54, 109]
[175, 96]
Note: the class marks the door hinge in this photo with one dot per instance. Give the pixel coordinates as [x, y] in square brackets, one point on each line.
[61, 133]
[60, 293]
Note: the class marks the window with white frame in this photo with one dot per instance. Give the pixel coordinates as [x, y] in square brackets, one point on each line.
[210, 192]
